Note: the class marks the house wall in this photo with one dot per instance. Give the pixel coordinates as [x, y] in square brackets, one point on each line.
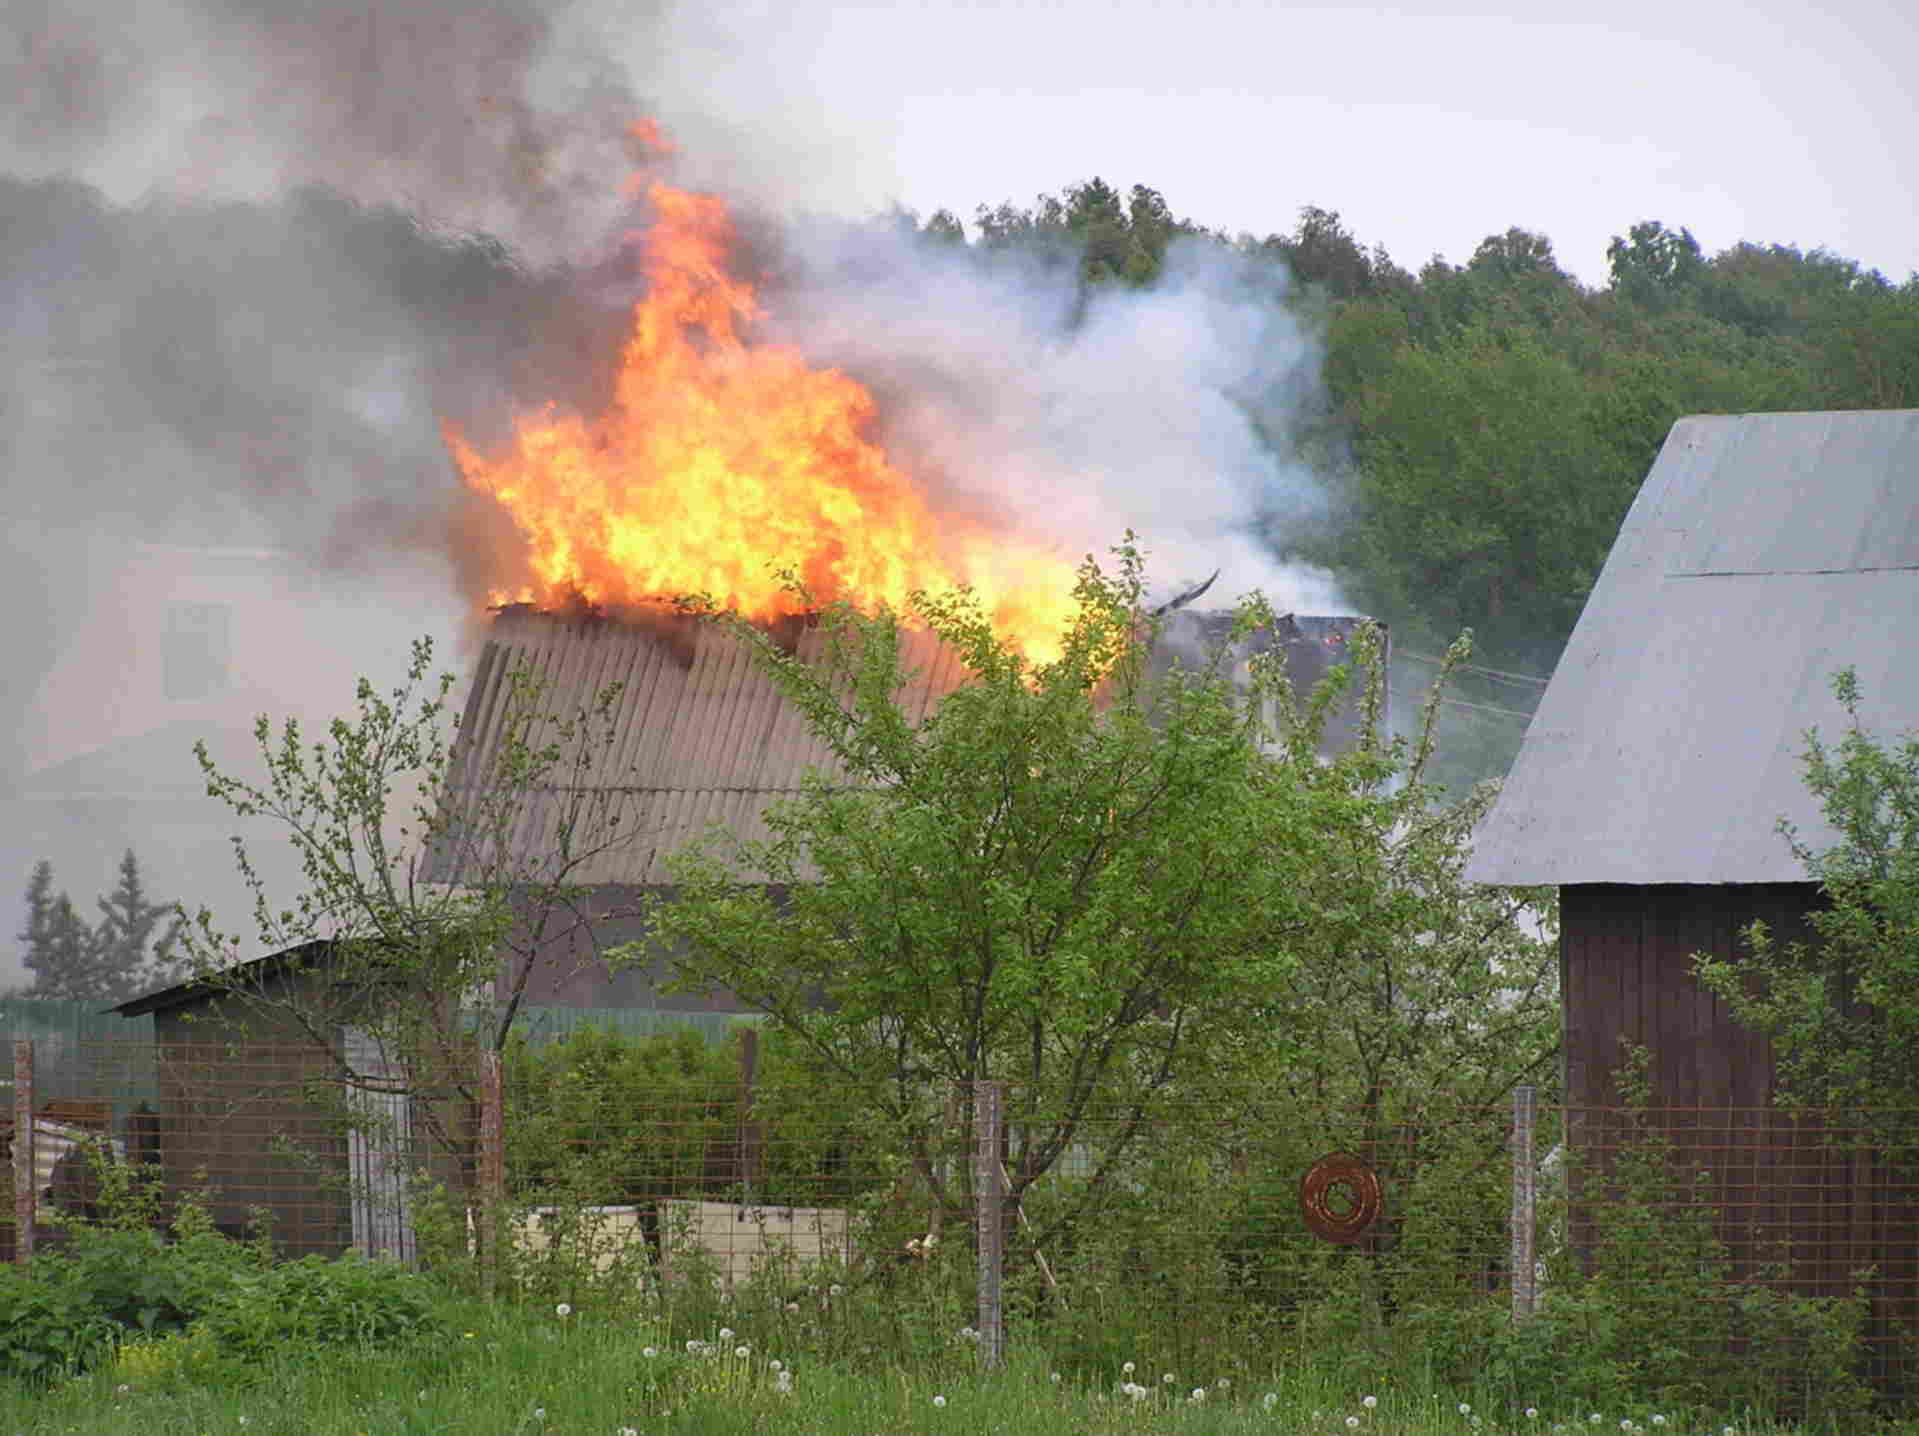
[1785, 1189]
[1625, 971]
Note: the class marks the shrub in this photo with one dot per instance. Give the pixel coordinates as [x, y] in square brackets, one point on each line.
[311, 1303]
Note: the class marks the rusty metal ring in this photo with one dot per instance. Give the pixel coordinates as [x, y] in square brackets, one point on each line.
[1339, 1171]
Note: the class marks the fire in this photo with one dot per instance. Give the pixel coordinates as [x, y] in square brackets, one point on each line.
[720, 461]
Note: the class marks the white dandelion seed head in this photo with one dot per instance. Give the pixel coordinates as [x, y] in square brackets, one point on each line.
[1054, 1378]
[1465, 1409]
[726, 1333]
[1225, 1383]
[742, 1352]
[775, 1365]
[1269, 1400]
[1167, 1379]
[539, 1413]
[692, 1348]
[122, 1389]
[1127, 1369]
[836, 1290]
[1626, 1425]
[629, 1431]
[1352, 1423]
[563, 1310]
[939, 1400]
[1199, 1393]
[1532, 1413]
[1369, 1402]
[783, 1382]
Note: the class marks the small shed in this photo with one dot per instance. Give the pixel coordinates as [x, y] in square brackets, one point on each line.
[1764, 553]
[254, 1110]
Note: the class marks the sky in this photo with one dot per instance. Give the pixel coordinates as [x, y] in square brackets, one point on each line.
[231, 329]
[1427, 125]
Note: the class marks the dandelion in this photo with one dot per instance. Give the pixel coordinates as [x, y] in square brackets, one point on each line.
[1127, 1369]
[563, 1311]
[1626, 1425]
[692, 1348]
[539, 1413]
[1225, 1383]
[1055, 1378]
[1199, 1393]
[742, 1352]
[775, 1366]
[1269, 1400]
[1532, 1413]
[726, 1333]
[122, 1389]
[939, 1401]
[836, 1290]
[629, 1431]
[1167, 1379]
[783, 1382]
[1352, 1423]
[1134, 1390]
[1464, 1409]
[650, 1352]
[1369, 1402]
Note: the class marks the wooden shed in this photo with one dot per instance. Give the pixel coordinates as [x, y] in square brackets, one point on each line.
[1764, 553]
[257, 1112]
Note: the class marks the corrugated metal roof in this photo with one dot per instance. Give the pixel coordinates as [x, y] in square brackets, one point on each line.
[700, 735]
[1764, 553]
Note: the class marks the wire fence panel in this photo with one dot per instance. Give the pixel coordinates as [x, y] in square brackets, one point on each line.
[1125, 1223]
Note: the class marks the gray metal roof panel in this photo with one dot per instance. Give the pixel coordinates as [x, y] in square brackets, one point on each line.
[1764, 552]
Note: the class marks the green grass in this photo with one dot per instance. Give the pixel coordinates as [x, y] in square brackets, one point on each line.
[514, 1369]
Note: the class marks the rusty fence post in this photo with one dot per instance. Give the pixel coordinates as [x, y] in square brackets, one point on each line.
[1525, 1205]
[492, 1166]
[23, 1165]
[989, 1217]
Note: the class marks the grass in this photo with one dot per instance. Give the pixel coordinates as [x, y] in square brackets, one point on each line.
[515, 1369]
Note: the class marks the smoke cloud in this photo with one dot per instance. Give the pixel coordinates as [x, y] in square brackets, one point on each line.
[257, 253]
[1075, 416]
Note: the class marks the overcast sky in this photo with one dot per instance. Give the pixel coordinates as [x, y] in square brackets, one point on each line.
[1427, 125]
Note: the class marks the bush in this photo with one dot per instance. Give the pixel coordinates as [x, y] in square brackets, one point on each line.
[310, 1304]
[70, 1306]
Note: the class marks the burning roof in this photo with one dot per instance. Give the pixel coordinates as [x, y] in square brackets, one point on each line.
[701, 735]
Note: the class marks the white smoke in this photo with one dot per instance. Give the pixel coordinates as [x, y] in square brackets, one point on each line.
[1076, 416]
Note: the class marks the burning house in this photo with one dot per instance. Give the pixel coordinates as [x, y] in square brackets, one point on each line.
[701, 737]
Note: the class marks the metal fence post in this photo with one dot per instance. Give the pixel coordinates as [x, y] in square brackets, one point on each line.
[1525, 1205]
[23, 1166]
[492, 1165]
[989, 1209]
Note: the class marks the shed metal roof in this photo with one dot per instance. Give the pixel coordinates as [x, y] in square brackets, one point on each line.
[700, 734]
[1764, 553]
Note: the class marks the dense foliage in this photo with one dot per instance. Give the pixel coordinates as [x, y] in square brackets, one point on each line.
[1483, 427]
[1842, 1010]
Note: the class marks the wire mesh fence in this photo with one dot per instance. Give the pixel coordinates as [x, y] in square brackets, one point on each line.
[1125, 1222]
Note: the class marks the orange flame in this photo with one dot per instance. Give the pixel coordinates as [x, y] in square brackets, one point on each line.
[719, 461]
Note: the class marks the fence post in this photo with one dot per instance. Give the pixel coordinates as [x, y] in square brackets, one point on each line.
[492, 1165]
[750, 1133]
[23, 1165]
[989, 1209]
[1525, 1205]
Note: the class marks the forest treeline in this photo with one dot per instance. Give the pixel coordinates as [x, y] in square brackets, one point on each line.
[1482, 428]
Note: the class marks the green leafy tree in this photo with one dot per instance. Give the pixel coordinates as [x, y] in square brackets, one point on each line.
[1842, 1010]
[1073, 877]
[128, 952]
[425, 975]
